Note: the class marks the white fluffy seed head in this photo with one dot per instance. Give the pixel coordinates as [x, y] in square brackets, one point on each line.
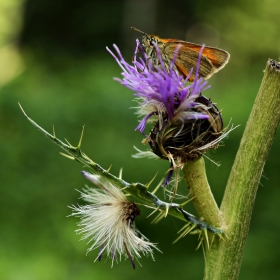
[107, 222]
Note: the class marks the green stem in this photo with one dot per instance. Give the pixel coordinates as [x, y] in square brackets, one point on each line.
[204, 202]
[223, 261]
[138, 190]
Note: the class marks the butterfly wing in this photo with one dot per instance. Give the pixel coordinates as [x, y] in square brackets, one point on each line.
[218, 57]
[212, 59]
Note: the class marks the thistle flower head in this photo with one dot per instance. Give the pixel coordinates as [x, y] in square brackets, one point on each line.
[185, 123]
[108, 222]
[161, 91]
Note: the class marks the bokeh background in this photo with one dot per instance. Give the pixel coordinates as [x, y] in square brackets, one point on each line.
[54, 62]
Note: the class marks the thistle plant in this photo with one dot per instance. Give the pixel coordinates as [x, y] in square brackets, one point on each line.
[183, 124]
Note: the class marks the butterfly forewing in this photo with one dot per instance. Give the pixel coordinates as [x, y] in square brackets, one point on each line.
[187, 59]
[218, 57]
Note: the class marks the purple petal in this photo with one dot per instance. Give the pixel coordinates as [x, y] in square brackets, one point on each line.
[168, 177]
[142, 125]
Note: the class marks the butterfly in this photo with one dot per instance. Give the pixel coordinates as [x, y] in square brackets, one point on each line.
[187, 55]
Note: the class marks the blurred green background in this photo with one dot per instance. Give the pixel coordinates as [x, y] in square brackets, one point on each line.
[53, 61]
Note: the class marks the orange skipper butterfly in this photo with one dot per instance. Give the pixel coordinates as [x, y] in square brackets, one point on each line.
[212, 59]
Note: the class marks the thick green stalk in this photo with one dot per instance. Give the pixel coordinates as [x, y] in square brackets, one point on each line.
[204, 202]
[223, 261]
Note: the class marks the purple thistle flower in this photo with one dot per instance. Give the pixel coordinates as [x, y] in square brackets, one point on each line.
[161, 91]
[185, 123]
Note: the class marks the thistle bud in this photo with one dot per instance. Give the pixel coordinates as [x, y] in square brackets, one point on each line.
[185, 138]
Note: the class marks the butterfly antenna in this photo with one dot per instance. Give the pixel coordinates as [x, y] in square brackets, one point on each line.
[133, 28]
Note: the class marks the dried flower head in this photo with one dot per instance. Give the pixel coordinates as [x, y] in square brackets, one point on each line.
[108, 222]
[185, 123]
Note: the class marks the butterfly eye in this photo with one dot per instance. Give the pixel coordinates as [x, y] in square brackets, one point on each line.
[153, 41]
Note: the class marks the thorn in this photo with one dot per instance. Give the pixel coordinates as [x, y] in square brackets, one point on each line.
[158, 218]
[181, 235]
[120, 174]
[67, 142]
[67, 156]
[195, 232]
[158, 186]
[212, 240]
[189, 230]
[176, 240]
[81, 138]
[22, 110]
[129, 194]
[53, 132]
[199, 234]
[148, 185]
[199, 244]
[166, 211]
[185, 226]
[221, 237]
[152, 212]
[108, 170]
[206, 238]
[185, 232]
[225, 236]
[204, 255]
[184, 203]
